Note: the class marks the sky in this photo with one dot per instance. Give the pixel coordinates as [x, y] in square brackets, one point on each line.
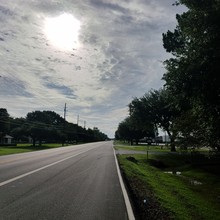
[94, 55]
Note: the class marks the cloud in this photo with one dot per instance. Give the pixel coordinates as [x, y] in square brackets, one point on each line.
[119, 58]
[64, 90]
[13, 87]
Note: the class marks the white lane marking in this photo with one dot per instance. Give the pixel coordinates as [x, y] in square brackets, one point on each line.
[41, 168]
[125, 194]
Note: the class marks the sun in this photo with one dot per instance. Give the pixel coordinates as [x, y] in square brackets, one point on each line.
[63, 31]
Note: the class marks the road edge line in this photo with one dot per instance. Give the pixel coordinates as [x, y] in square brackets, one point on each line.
[124, 191]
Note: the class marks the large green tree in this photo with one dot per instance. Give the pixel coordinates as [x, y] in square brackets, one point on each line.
[44, 125]
[128, 131]
[49, 126]
[192, 74]
[156, 108]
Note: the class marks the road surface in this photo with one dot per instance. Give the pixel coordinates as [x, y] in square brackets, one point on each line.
[77, 182]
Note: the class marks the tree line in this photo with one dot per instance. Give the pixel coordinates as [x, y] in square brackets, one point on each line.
[46, 126]
[188, 104]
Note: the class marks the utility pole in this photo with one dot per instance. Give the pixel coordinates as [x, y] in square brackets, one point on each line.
[64, 125]
[84, 124]
[77, 119]
[65, 112]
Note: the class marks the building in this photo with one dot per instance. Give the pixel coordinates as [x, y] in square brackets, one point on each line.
[6, 140]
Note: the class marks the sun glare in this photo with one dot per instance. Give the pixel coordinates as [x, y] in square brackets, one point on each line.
[63, 31]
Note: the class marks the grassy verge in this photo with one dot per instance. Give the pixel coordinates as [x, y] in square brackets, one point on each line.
[22, 148]
[143, 148]
[195, 194]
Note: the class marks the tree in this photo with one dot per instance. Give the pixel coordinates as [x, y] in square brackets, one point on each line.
[45, 125]
[4, 122]
[141, 118]
[156, 108]
[16, 128]
[98, 135]
[129, 132]
[50, 126]
[192, 74]
[46, 117]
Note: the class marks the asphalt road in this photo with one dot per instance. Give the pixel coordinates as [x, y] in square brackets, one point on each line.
[77, 182]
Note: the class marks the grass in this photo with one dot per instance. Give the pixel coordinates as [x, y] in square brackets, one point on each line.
[152, 148]
[142, 147]
[174, 193]
[22, 148]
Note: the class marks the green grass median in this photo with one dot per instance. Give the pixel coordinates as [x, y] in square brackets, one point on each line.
[22, 148]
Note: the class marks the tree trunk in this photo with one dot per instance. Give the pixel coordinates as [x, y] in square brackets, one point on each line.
[172, 145]
[34, 142]
[172, 141]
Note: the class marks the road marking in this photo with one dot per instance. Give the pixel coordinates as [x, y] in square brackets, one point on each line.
[41, 168]
[125, 194]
